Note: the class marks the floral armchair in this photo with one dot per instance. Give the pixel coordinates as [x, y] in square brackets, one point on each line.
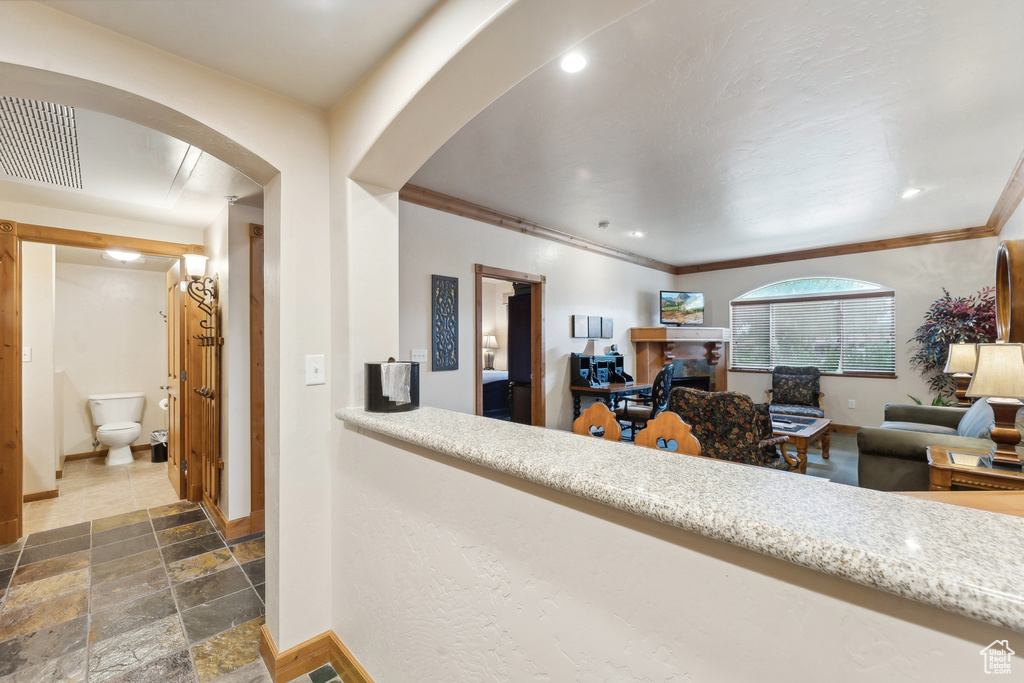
[795, 391]
[730, 427]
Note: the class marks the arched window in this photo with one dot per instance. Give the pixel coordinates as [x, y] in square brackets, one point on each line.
[844, 327]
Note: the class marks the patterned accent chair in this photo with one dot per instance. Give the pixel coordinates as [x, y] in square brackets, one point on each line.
[796, 391]
[637, 410]
[730, 427]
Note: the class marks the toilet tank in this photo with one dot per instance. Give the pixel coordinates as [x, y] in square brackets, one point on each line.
[121, 407]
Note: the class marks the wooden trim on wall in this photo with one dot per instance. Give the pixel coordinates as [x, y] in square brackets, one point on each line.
[1009, 200]
[102, 453]
[95, 240]
[10, 385]
[40, 495]
[1007, 203]
[845, 429]
[842, 250]
[442, 202]
[236, 528]
[257, 386]
[309, 656]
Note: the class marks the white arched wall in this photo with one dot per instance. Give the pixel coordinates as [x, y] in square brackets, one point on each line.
[282, 144]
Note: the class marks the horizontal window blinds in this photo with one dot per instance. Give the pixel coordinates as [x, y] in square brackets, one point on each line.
[840, 335]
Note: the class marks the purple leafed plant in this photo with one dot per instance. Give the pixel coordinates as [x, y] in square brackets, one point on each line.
[965, 319]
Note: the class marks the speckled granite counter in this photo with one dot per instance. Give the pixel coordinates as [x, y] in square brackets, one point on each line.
[962, 560]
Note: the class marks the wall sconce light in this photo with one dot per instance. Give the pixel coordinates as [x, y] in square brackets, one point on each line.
[195, 265]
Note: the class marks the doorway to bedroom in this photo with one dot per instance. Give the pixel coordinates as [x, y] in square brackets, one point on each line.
[509, 345]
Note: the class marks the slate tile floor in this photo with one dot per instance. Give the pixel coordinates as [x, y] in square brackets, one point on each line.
[150, 595]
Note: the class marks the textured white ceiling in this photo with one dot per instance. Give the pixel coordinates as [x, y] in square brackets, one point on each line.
[741, 128]
[313, 51]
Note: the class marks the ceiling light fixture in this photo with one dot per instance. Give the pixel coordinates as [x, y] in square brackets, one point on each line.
[604, 225]
[123, 256]
[910, 192]
[573, 62]
[638, 233]
[232, 198]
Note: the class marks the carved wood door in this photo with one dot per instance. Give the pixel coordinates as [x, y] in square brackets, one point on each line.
[174, 383]
[204, 342]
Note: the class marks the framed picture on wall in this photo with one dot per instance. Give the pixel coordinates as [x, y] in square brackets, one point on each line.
[580, 326]
[594, 326]
[606, 328]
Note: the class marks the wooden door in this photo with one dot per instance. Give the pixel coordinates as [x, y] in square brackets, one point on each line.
[203, 412]
[174, 383]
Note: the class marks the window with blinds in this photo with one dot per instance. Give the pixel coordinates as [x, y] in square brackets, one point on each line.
[840, 332]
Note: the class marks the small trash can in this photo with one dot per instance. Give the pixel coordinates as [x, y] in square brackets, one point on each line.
[158, 445]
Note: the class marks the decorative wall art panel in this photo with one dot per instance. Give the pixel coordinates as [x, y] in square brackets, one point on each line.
[445, 327]
[579, 326]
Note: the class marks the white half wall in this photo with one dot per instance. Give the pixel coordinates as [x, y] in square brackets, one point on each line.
[916, 274]
[110, 337]
[578, 283]
[39, 412]
[535, 585]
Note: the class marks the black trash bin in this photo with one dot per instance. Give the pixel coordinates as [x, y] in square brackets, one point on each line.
[158, 445]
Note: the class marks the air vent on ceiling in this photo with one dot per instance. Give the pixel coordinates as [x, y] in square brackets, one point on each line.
[38, 141]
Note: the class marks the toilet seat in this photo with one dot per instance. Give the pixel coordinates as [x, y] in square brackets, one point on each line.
[114, 427]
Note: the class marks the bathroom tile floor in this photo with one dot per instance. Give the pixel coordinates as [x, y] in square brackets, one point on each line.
[151, 595]
[91, 490]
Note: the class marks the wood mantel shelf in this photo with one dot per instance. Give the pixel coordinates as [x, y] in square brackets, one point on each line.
[656, 346]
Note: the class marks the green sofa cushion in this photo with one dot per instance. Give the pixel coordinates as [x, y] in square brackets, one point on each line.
[919, 427]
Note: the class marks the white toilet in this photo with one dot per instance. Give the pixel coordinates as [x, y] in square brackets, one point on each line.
[118, 419]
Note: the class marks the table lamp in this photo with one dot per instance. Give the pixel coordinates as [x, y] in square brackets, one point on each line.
[999, 376]
[960, 363]
[490, 342]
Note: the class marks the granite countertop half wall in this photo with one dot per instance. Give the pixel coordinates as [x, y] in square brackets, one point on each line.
[899, 544]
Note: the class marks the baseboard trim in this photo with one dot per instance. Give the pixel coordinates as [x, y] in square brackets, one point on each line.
[40, 495]
[60, 473]
[236, 528]
[309, 656]
[102, 453]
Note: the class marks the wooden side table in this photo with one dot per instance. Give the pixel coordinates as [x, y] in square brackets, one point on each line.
[943, 473]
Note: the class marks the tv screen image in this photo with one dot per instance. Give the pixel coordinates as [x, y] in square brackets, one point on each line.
[682, 308]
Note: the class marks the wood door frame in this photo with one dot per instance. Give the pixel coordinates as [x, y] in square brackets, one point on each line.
[12, 234]
[537, 410]
[257, 382]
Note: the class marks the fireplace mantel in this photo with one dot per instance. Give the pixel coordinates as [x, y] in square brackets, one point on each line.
[656, 346]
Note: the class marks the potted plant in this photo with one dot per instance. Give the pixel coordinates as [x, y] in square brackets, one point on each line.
[970, 320]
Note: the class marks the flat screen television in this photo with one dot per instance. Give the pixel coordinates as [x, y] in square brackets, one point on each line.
[682, 308]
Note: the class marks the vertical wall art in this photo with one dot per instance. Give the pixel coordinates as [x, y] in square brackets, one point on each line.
[445, 327]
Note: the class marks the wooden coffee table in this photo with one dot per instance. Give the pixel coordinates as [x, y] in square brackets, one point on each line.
[801, 432]
[944, 473]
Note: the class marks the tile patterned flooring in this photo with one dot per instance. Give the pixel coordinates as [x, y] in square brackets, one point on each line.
[146, 595]
[91, 490]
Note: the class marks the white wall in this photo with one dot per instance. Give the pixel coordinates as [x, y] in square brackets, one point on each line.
[538, 585]
[227, 244]
[39, 414]
[578, 282]
[917, 274]
[110, 337]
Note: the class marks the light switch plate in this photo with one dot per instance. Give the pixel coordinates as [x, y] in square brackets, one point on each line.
[851, 403]
[316, 372]
[419, 356]
[26, 354]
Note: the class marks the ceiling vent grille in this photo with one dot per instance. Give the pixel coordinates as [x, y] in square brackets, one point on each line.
[38, 141]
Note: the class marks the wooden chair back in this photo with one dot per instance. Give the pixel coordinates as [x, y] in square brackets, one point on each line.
[597, 416]
[668, 427]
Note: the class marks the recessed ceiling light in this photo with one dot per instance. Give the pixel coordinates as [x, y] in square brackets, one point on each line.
[573, 62]
[638, 233]
[910, 192]
[123, 256]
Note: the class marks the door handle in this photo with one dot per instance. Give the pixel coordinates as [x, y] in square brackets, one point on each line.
[165, 386]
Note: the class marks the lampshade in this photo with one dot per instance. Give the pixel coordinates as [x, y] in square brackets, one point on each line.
[195, 265]
[1000, 371]
[962, 358]
[490, 341]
